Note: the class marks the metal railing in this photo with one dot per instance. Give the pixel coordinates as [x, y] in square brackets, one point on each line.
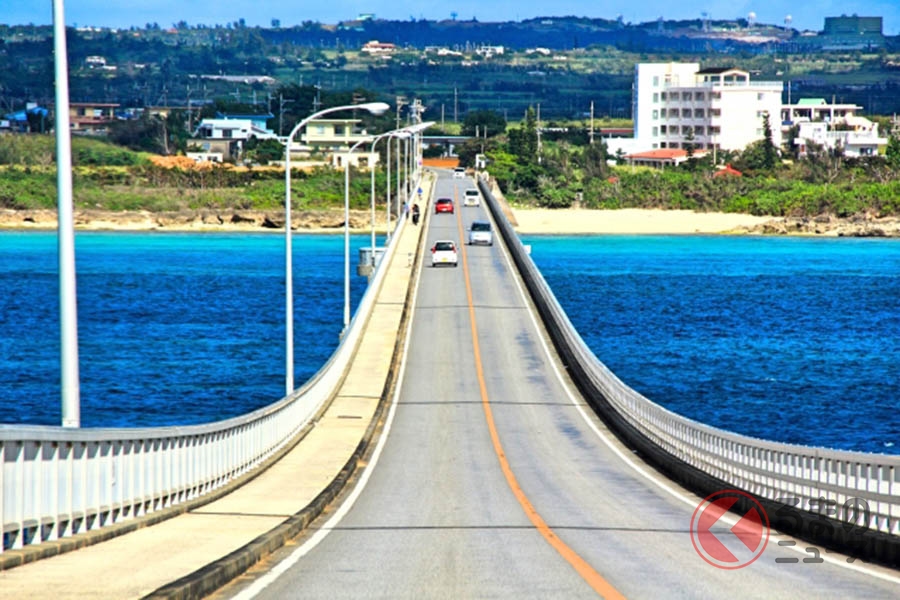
[845, 499]
[56, 482]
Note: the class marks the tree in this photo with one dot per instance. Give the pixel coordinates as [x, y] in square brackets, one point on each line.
[770, 153]
[523, 139]
[892, 152]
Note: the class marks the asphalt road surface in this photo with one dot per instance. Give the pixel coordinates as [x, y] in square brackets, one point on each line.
[495, 482]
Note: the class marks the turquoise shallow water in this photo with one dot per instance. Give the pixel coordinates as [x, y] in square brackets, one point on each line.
[792, 339]
[781, 338]
[173, 328]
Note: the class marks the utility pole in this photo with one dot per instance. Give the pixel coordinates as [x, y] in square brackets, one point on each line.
[455, 104]
[281, 103]
[539, 132]
[592, 123]
[401, 102]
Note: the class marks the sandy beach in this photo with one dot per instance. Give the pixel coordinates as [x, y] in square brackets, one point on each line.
[527, 221]
[632, 221]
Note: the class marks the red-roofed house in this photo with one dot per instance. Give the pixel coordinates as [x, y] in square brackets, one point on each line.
[728, 170]
[662, 157]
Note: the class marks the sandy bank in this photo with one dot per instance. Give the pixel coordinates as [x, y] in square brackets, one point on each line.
[631, 221]
[228, 220]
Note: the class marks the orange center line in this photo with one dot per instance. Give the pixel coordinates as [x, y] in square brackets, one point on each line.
[587, 572]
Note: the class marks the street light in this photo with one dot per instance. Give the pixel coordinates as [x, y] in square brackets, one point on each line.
[68, 317]
[389, 134]
[347, 232]
[376, 108]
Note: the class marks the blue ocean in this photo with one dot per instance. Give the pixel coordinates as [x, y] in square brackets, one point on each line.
[791, 339]
[173, 328]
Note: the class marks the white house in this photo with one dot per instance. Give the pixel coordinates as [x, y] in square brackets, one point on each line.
[678, 104]
[333, 138]
[226, 137]
[831, 126]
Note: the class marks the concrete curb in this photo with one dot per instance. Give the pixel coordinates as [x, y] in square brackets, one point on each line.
[217, 573]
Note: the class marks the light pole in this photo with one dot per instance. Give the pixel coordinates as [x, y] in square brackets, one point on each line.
[347, 233]
[68, 312]
[401, 133]
[376, 108]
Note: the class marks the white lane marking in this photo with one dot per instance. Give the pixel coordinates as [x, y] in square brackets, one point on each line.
[664, 484]
[278, 570]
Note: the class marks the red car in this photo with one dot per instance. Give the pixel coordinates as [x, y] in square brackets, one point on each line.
[443, 205]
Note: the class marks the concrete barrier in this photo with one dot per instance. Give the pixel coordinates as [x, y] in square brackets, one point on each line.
[848, 501]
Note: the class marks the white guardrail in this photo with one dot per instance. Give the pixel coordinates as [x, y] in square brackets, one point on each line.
[56, 482]
[856, 492]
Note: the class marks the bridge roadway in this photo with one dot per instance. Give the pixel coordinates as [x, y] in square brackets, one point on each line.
[492, 480]
[439, 518]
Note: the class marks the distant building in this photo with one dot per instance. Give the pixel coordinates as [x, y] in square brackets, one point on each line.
[376, 47]
[679, 104]
[332, 139]
[832, 126]
[853, 25]
[92, 117]
[661, 158]
[225, 137]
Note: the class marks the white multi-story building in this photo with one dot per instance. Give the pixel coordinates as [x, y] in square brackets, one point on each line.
[679, 104]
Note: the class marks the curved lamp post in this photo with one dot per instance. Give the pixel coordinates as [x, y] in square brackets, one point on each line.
[347, 232]
[375, 108]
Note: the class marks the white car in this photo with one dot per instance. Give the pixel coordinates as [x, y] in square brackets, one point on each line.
[480, 233]
[444, 253]
[471, 197]
[459, 173]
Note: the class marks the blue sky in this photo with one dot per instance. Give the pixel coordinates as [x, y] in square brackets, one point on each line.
[123, 13]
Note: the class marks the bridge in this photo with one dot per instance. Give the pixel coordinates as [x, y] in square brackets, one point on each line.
[461, 442]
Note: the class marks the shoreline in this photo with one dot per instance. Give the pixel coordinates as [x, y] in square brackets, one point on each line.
[639, 221]
[531, 221]
[199, 221]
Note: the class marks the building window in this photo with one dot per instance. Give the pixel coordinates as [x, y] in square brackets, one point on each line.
[663, 96]
[662, 113]
[320, 130]
[686, 113]
[699, 96]
[655, 114]
[715, 112]
[656, 96]
[760, 96]
[700, 130]
[673, 112]
[663, 129]
[656, 81]
[698, 113]
[714, 131]
[338, 130]
[673, 130]
[226, 133]
[716, 96]
[655, 131]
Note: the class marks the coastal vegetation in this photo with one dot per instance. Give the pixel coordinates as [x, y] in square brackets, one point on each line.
[110, 177]
[564, 170]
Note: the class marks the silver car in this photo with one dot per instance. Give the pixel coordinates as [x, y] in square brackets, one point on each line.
[480, 233]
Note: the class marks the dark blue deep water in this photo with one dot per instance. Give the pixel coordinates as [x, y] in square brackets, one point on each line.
[791, 339]
[173, 328]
